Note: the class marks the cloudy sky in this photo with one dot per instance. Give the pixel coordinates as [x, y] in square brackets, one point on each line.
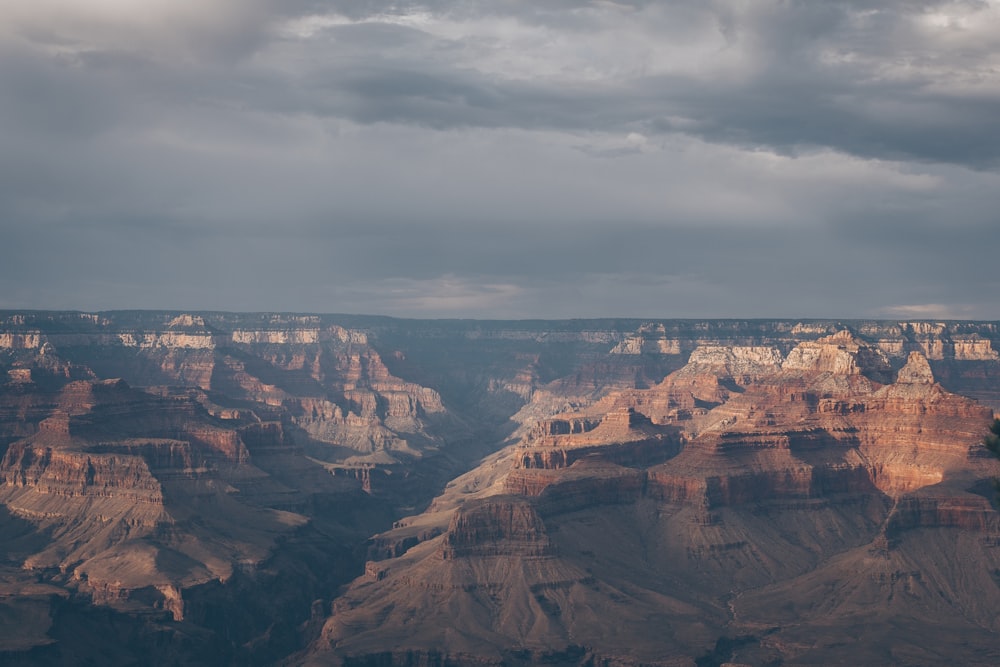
[508, 159]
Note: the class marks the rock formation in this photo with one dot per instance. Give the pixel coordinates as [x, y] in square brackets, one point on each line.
[805, 467]
[621, 492]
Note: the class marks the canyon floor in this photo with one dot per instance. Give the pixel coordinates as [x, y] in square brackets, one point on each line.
[225, 488]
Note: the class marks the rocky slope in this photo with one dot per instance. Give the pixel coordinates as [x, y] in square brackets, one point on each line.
[740, 515]
[145, 504]
[621, 491]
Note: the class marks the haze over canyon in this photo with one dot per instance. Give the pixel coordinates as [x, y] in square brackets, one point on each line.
[271, 488]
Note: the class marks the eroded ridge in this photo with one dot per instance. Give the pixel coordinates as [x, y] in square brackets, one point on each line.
[746, 474]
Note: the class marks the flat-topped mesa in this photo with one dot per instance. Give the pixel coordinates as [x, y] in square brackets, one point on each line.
[707, 380]
[839, 354]
[121, 478]
[742, 364]
[497, 526]
[623, 436]
[620, 423]
[589, 482]
[622, 420]
[563, 426]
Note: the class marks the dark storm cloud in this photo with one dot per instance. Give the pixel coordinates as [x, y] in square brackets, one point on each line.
[505, 158]
[817, 76]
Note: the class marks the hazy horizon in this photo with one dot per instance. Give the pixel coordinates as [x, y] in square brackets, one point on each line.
[625, 318]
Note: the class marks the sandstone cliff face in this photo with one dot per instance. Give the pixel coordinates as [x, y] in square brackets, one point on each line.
[55, 472]
[743, 364]
[146, 500]
[496, 526]
[839, 354]
[129, 490]
[336, 388]
[902, 436]
[647, 488]
[800, 457]
[281, 363]
[963, 354]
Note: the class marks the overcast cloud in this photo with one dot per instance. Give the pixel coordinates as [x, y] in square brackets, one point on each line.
[503, 159]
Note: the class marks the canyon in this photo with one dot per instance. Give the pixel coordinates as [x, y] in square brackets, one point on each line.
[266, 488]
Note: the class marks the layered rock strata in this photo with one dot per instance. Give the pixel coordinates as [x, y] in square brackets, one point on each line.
[804, 456]
[682, 478]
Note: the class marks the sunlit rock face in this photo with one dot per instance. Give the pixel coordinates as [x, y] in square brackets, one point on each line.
[803, 467]
[596, 492]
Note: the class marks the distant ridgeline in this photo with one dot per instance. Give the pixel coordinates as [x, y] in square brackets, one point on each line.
[938, 340]
[118, 333]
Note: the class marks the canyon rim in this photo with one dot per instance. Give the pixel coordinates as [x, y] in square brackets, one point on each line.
[267, 488]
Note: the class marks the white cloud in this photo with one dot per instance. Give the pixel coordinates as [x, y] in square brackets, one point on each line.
[927, 311]
[446, 295]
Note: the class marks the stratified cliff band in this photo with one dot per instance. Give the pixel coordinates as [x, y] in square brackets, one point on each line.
[576, 492]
